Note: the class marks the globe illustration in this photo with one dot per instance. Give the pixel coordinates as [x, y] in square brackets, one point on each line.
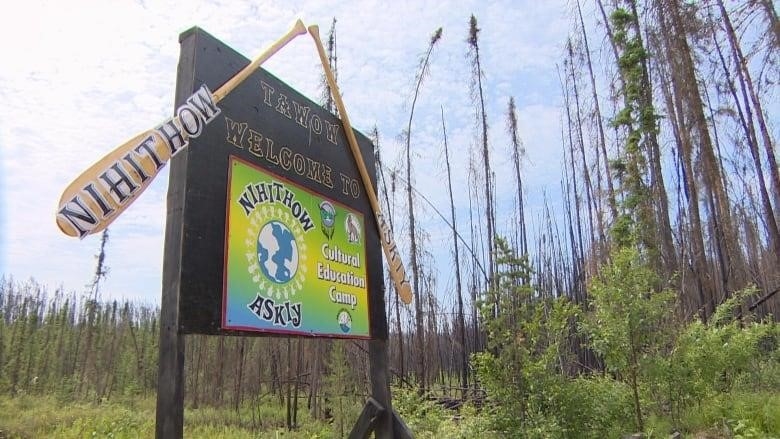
[277, 252]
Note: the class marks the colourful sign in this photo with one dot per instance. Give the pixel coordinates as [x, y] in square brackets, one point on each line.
[295, 260]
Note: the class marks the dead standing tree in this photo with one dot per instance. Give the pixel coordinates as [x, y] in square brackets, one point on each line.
[479, 97]
[390, 209]
[517, 154]
[422, 72]
[461, 325]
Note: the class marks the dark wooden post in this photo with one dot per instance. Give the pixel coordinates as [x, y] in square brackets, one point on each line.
[380, 386]
[170, 374]
[378, 415]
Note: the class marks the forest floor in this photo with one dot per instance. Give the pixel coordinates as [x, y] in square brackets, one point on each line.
[27, 416]
[132, 418]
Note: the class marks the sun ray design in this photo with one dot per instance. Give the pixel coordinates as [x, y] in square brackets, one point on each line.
[254, 218]
[298, 230]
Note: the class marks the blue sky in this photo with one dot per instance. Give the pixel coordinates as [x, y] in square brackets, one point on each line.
[79, 78]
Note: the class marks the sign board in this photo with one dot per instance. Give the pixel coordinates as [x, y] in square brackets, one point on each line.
[295, 259]
[277, 235]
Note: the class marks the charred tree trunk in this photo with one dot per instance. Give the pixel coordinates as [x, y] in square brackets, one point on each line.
[476, 65]
[419, 329]
[746, 83]
[599, 122]
[687, 86]
[464, 373]
[581, 142]
[698, 257]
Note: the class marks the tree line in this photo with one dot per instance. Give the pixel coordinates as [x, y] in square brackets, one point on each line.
[668, 147]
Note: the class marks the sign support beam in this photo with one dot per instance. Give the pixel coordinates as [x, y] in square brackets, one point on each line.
[170, 374]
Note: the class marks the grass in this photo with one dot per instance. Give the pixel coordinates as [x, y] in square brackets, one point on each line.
[39, 416]
[31, 417]
[738, 415]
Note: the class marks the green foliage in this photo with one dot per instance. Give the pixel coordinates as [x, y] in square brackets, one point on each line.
[627, 315]
[620, 17]
[427, 419]
[639, 120]
[722, 376]
[625, 326]
[342, 390]
[697, 378]
[623, 117]
[598, 407]
[40, 416]
[522, 367]
[421, 414]
[686, 377]
[723, 356]
[58, 344]
[736, 414]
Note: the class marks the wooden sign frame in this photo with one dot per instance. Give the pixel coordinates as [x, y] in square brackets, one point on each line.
[284, 140]
[194, 266]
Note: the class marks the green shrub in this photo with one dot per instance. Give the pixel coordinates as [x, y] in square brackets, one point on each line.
[706, 361]
[596, 407]
[422, 415]
[736, 413]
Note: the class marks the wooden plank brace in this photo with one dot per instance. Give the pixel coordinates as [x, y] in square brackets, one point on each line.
[367, 420]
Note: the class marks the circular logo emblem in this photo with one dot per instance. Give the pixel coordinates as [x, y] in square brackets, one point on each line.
[277, 252]
[328, 217]
[328, 214]
[345, 320]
